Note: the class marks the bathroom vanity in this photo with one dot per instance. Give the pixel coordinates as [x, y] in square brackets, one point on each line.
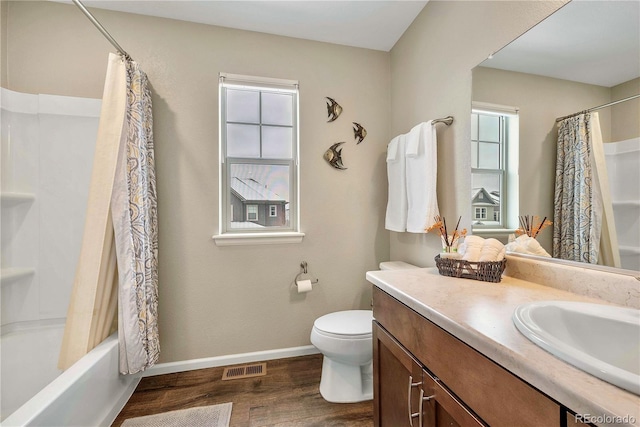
[446, 352]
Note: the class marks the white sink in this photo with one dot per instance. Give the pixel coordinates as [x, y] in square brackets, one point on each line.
[602, 340]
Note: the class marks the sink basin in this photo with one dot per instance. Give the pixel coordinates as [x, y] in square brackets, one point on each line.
[602, 340]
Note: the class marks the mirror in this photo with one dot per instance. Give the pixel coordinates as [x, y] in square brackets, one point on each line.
[584, 55]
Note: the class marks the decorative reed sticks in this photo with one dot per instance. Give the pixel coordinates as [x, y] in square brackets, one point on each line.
[531, 225]
[448, 240]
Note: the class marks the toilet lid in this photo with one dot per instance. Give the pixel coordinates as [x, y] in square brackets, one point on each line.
[350, 322]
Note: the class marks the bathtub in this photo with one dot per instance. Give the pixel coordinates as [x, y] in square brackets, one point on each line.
[89, 393]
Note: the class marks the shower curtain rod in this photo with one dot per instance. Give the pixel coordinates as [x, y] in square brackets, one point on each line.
[101, 29]
[598, 107]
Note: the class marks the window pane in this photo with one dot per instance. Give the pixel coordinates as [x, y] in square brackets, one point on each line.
[263, 186]
[485, 194]
[243, 106]
[474, 127]
[276, 142]
[277, 109]
[474, 154]
[489, 128]
[488, 155]
[243, 141]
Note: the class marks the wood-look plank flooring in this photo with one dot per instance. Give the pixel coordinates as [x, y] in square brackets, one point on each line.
[287, 396]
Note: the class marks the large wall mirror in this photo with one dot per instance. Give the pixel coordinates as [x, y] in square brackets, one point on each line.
[585, 55]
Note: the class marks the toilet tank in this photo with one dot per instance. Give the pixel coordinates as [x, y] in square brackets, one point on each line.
[396, 265]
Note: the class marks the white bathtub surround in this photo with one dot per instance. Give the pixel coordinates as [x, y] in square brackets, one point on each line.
[47, 143]
[90, 393]
[123, 189]
[623, 167]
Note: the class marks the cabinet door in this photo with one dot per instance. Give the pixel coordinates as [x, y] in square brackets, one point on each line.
[396, 383]
[439, 408]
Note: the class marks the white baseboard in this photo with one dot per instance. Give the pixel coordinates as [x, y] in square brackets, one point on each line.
[233, 359]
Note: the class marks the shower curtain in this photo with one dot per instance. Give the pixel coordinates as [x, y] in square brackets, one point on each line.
[135, 223]
[583, 216]
[118, 260]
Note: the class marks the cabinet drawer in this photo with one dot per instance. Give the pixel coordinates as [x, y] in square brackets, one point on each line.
[497, 396]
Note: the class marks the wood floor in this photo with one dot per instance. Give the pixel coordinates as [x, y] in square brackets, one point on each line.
[287, 396]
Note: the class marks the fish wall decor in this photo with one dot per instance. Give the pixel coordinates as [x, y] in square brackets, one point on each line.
[333, 156]
[333, 109]
[359, 132]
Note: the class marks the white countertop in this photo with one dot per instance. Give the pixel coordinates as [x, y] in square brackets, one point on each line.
[479, 314]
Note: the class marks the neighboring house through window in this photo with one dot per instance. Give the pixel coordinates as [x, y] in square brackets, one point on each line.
[258, 155]
[494, 162]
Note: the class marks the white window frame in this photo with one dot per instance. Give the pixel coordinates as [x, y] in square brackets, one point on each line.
[482, 213]
[266, 235]
[273, 211]
[509, 192]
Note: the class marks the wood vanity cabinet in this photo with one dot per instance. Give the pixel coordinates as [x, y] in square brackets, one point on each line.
[424, 376]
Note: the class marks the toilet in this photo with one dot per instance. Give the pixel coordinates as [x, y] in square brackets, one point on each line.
[344, 338]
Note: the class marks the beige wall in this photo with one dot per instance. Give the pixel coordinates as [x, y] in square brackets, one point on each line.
[625, 117]
[540, 100]
[431, 77]
[3, 43]
[228, 300]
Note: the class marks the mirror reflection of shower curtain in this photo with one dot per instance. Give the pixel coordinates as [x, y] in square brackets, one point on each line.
[584, 228]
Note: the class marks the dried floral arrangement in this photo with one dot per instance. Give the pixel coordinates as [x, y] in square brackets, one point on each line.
[531, 225]
[448, 240]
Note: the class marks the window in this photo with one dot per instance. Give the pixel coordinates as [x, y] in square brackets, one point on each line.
[252, 212]
[494, 162]
[258, 155]
[481, 213]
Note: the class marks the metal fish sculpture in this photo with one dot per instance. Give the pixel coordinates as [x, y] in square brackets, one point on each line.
[333, 109]
[359, 132]
[334, 156]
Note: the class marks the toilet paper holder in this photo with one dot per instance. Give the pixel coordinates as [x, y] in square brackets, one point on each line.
[305, 270]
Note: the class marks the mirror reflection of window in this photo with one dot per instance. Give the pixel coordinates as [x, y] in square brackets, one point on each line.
[493, 131]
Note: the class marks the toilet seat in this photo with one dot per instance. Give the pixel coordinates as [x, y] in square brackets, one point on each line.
[350, 324]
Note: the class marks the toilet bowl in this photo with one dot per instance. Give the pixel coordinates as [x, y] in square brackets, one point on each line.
[345, 340]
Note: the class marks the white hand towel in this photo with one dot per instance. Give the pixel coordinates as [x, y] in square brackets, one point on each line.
[392, 150]
[421, 175]
[491, 250]
[471, 248]
[527, 245]
[396, 218]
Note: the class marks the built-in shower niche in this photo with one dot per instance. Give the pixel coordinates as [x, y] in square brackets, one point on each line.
[623, 170]
[47, 147]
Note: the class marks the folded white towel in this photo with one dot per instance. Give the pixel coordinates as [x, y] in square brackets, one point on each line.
[396, 217]
[471, 248]
[421, 175]
[527, 245]
[492, 250]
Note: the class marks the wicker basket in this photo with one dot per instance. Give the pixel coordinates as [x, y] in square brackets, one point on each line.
[485, 271]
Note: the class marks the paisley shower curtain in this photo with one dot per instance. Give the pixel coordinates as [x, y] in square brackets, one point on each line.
[119, 257]
[134, 213]
[577, 211]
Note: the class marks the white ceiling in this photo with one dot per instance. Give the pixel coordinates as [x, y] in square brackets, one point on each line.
[367, 24]
[595, 42]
